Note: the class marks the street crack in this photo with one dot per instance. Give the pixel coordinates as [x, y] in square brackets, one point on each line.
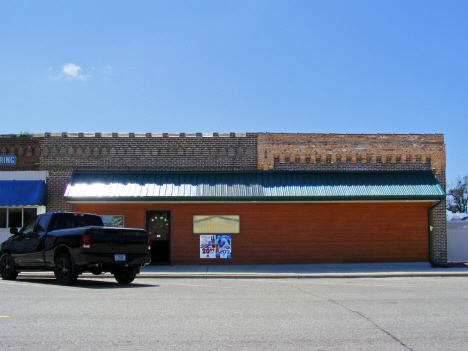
[359, 314]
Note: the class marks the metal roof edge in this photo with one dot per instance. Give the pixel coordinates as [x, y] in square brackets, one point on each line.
[257, 186]
[260, 199]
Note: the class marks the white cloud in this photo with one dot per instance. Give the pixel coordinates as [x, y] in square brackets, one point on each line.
[72, 71]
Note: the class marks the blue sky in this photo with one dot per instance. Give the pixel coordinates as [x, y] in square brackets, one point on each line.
[237, 66]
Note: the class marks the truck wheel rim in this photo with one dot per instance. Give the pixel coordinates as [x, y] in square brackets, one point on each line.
[63, 269]
[6, 266]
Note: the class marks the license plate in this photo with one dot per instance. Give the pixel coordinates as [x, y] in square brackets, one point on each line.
[119, 257]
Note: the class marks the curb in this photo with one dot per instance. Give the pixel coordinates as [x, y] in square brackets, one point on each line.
[300, 276]
[262, 275]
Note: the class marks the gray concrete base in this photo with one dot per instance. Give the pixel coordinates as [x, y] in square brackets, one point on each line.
[299, 271]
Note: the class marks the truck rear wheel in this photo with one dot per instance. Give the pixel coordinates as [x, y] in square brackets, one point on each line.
[7, 267]
[125, 276]
[63, 270]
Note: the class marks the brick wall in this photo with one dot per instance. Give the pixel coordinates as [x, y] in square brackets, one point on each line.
[57, 181]
[26, 149]
[439, 223]
[149, 152]
[350, 152]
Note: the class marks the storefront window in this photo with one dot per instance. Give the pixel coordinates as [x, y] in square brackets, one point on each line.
[16, 217]
[28, 214]
[3, 217]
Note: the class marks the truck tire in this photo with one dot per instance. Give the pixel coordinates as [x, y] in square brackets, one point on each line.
[7, 267]
[63, 270]
[125, 276]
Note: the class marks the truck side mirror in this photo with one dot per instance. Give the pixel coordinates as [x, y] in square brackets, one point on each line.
[13, 230]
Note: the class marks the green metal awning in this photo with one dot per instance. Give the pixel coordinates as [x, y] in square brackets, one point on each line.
[253, 186]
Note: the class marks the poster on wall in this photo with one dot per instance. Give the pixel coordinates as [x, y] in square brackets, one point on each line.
[215, 246]
[223, 246]
[113, 221]
[207, 246]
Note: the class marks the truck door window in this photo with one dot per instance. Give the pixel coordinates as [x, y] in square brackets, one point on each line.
[59, 223]
[29, 227]
[42, 224]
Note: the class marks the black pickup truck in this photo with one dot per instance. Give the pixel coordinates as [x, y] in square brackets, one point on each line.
[73, 243]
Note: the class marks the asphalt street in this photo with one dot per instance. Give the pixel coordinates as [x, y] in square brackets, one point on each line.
[393, 313]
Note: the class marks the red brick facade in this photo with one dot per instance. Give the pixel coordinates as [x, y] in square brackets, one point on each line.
[351, 152]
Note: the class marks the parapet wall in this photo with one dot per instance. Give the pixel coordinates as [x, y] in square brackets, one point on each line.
[226, 151]
[149, 151]
[26, 149]
[351, 152]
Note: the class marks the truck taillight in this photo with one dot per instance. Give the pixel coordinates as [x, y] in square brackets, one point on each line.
[149, 243]
[86, 241]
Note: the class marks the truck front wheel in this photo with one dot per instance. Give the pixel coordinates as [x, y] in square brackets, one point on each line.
[125, 276]
[63, 270]
[7, 267]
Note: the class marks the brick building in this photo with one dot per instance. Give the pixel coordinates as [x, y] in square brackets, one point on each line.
[263, 198]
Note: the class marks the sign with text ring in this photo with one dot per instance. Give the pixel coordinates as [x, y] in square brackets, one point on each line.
[7, 160]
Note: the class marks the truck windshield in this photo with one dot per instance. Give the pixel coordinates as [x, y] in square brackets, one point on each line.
[70, 220]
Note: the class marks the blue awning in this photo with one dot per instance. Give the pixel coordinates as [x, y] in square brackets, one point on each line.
[22, 193]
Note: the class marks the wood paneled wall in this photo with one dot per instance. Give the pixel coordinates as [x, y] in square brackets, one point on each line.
[293, 233]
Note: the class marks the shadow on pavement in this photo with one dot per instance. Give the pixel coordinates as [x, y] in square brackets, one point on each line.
[96, 283]
[458, 264]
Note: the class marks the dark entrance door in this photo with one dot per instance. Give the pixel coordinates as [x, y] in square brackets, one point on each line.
[159, 228]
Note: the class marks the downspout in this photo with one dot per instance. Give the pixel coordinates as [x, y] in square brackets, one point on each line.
[431, 249]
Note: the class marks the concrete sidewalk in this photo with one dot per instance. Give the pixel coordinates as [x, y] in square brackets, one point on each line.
[303, 271]
[297, 271]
